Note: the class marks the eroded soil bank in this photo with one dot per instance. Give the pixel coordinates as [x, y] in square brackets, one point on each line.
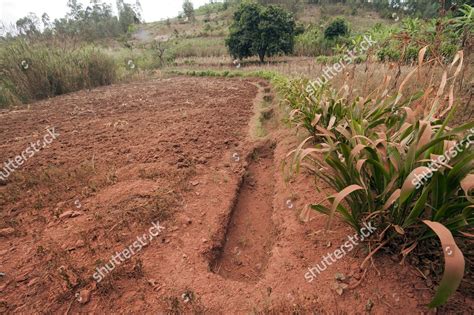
[251, 232]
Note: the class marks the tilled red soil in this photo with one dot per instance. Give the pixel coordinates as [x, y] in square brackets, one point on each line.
[176, 151]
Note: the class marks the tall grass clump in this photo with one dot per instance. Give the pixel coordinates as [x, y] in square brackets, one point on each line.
[32, 71]
[392, 159]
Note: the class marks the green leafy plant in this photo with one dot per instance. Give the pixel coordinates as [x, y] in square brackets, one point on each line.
[327, 114]
[380, 163]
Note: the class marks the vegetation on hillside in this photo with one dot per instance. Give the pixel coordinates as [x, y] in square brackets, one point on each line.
[44, 59]
[414, 8]
[90, 23]
[325, 34]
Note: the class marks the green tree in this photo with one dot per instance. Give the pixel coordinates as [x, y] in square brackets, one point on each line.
[28, 25]
[76, 11]
[128, 14]
[188, 9]
[262, 31]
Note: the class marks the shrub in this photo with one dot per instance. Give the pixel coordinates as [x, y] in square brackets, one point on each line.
[337, 28]
[448, 50]
[322, 59]
[378, 180]
[388, 54]
[411, 53]
[360, 59]
[308, 42]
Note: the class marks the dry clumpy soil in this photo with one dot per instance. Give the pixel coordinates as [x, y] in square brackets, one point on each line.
[177, 151]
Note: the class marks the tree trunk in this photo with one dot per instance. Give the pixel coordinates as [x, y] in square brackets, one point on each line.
[261, 56]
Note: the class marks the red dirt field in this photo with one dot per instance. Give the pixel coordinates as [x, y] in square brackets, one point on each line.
[181, 152]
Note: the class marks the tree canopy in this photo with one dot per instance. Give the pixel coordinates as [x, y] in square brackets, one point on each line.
[89, 22]
[261, 31]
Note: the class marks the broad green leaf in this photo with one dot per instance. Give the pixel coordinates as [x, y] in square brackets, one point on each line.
[338, 198]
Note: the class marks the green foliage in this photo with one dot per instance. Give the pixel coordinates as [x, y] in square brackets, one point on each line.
[128, 15]
[88, 24]
[416, 8]
[336, 28]
[28, 25]
[188, 10]
[465, 20]
[463, 25]
[312, 43]
[445, 37]
[261, 31]
[376, 151]
[388, 54]
[209, 8]
[324, 60]
[396, 42]
[96, 21]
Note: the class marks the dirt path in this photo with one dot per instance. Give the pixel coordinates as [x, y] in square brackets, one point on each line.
[181, 152]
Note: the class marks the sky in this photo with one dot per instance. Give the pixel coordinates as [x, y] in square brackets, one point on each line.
[153, 10]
